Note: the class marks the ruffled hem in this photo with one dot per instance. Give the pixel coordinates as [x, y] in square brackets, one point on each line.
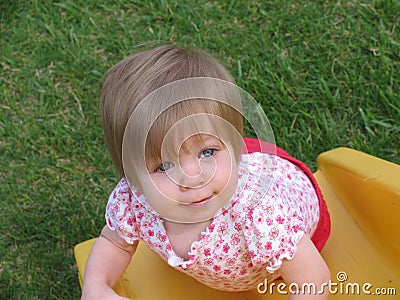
[276, 263]
[126, 236]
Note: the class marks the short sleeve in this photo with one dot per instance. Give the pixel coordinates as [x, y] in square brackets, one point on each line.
[278, 231]
[119, 213]
[272, 234]
[277, 220]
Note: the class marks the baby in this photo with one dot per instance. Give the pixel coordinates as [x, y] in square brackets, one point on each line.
[226, 210]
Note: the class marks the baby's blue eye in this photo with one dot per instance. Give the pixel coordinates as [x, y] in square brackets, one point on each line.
[164, 167]
[207, 153]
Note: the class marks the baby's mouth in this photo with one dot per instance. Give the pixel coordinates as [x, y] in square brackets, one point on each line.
[200, 201]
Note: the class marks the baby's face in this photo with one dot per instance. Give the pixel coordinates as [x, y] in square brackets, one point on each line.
[193, 186]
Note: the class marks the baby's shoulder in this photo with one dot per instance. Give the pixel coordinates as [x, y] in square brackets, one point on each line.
[124, 193]
[121, 192]
[268, 178]
[266, 167]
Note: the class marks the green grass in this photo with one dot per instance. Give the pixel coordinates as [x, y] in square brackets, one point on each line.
[325, 72]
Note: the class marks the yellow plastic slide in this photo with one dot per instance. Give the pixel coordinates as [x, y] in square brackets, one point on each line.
[363, 251]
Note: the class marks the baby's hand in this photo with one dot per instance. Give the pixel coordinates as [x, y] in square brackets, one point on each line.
[101, 293]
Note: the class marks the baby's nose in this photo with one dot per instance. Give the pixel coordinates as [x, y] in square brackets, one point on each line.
[191, 175]
[190, 167]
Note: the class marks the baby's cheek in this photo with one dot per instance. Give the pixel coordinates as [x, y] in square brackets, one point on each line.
[228, 179]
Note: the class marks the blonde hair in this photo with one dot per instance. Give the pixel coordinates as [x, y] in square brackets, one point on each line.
[131, 80]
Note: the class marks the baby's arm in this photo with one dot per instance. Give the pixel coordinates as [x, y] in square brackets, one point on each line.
[306, 267]
[107, 262]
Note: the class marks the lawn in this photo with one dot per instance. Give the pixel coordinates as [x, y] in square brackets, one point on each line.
[327, 74]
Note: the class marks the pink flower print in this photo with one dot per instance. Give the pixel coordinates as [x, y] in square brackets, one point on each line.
[224, 211]
[296, 228]
[127, 210]
[238, 226]
[140, 215]
[150, 232]
[259, 244]
[269, 221]
[268, 246]
[258, 261]
[217, 268]
[243, 271]
[208, 261]
[259, 220]
[153, 219]
[235, 239]
[113, 206]
[225, 248]
[162, 237]
[207, 252]
[249, 212]
[280, 219]
[289, 177]
[217, 245]
[211, 227]
[257, 236]
[247, 186]
[130, 221]
[168, 247]
[227, 272]
[222, 229]
[147, 224]
[246, 256]
[238, 252]
[137, 193]
[230, 261]
[235, 202]
[125, 192]
[273, 233]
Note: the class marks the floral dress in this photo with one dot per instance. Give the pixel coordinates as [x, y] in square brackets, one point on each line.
[274, 205]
